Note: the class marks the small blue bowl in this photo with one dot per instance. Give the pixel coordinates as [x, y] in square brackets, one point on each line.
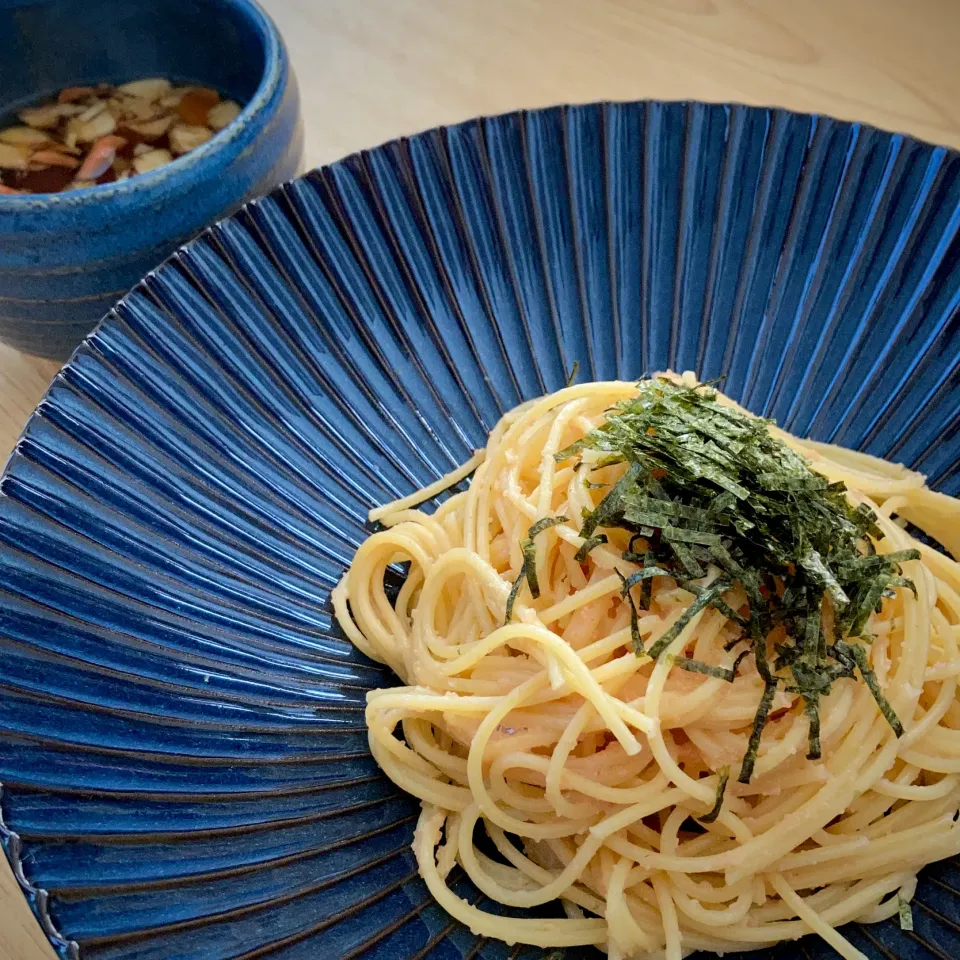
[65, 259]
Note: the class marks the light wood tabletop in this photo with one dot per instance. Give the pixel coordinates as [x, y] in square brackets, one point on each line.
[374, 70]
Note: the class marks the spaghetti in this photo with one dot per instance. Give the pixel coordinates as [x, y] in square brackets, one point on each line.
[606, 779]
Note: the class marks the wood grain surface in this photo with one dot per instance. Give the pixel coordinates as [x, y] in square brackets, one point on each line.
[376, 69]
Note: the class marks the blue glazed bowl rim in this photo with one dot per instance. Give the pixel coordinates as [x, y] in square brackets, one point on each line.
[151, 186]
[10, 843]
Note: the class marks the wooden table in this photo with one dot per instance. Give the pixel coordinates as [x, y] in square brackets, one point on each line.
[375, 69]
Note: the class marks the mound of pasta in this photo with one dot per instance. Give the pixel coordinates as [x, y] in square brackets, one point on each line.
[684, 676]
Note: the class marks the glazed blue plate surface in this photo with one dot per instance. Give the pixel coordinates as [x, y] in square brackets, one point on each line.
[182, 749]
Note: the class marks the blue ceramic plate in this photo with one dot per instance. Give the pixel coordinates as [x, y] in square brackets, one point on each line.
[183, 754]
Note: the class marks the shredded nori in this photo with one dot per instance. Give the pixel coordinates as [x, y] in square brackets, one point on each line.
[860, 656]
[905, 912]
[708, 491]
[545, 524]
[530, 567]
[759, 722]
[609, 512]
[581, 555]
[811, 708]
[701, 602]
[709, 669]
[528, 571]
[515, 591]
[635, 637]
[724, 774]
